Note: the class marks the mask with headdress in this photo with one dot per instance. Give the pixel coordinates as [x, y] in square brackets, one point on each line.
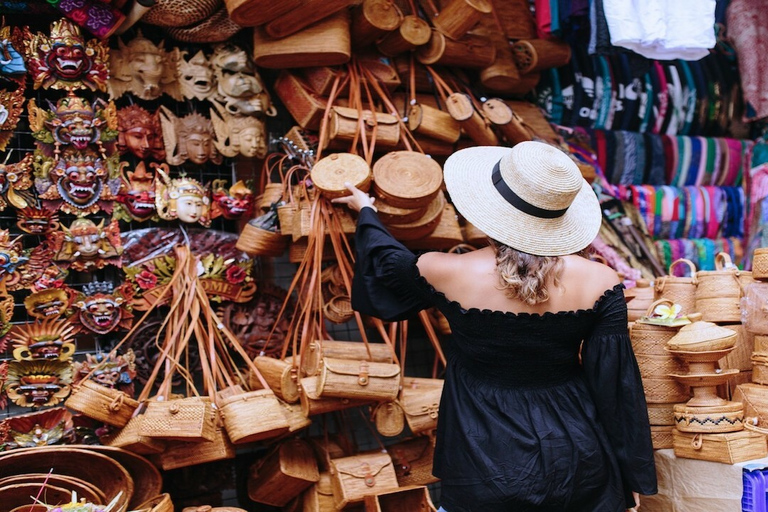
[188, 138]
[182, 198]
[143, 68]
[38, 383]
[196, 79]
[86, 246]
[139, 133]
[232, 203]
[102, 308]
[136, 199]
[238, 135]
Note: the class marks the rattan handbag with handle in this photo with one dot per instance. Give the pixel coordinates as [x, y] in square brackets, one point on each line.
[413, 461]
[283, 474]
[719, 291]
[680, 290]
[352, 478]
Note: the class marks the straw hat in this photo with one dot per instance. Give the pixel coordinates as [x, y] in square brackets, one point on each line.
[538, 203]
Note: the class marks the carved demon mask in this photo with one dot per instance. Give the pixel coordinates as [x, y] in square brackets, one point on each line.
[140, 133]
[102, 308]
[182, 198]
[11, 107]
[50, 339]
[40, 428]
[34, 220]
[110, 370]
[239, 88]
[196, 78]
[137, 192]
[15, 182]
[65, 61]
[11, 255]
[144, 69]
[238, 135]
[189, 138]
[87, 246]
[232, 203]
[49, 303]
[38, 383]
[11, 61]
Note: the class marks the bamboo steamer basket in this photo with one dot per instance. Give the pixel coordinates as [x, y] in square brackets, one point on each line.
[412, 33]
[650, 339]
[458, 16]
[680, 290]
[313, 404]
[129, 438]
[661, 437]
[422, 227]
[540, 54]
[760, 263]
[662, 415]
[283, 474]
[330, 173]
[181, 454]
[373, 19]
[108, 405]
[474, 52]
[326, 43]
[702, 337]
[310, 11]
[639, 298]
[393, 215]
[238, 413]
[433, 123]
[160, 503]
[460, 107]
[252, 13]
[407, 179]
[281, 376]
[728, 448]
[718, 293]
[713, 419]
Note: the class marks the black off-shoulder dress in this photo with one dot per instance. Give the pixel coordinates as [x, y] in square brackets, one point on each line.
[523, 426]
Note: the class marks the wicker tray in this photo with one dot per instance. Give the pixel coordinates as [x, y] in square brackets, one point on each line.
[407, 179]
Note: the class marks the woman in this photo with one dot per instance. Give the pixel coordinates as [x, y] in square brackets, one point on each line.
[531, 418]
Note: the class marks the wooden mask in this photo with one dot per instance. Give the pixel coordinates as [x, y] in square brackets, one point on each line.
[239, 88]
[36, 383]
[232, 203]
[182, 198]
[85, 246]
[238, 135]
[139, 132]
[196, 78]
[51, 339]
[136, 199]
[102, 308]
[145, 69]
[188, 138]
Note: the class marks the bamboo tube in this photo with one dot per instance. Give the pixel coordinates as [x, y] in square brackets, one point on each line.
[434, 123]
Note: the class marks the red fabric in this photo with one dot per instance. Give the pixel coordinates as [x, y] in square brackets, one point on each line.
[543, 19]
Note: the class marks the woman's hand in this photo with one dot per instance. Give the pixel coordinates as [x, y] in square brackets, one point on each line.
[357, 200]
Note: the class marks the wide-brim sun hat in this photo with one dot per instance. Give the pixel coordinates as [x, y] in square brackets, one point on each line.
[530, 197]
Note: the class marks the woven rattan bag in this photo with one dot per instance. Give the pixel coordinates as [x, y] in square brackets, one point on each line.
[239, 410]
[313, 404]
[181, 419]
[108, 405]
[345, 124]
[362, 380]
[413, 461]
[389, 418]
[397, 500]
[129, 438]
[181, 454]
[407, 179]
[760, 263]
[754, 308]
[281, 375]
[319, 497]
[420, 400]
[283, 474]
[352, 350]
[680, 290]
[719, 291]
[352, 478]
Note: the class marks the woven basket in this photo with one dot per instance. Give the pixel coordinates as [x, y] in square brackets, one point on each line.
[373, 19]
[214, 29]
[703, 337]
[649, 339]
[304, 105]
[760, 263]
[458, 16]
[338, 309]
[723, 418]
[755, 308]
[255, 241]
[361, 380]
[755, 400]
[761, 343]
[468, 52]
[345, 127]
[311, 11]
[420, 400]
[413, 461]
[760, 369]
[352, 350]
[638, 299]
[184, 454]
[330, 173]
[728, 448]
[515, 18]
[407, 179]
[355, 477]
[319, 497]
[180, 13]
[252, 13]
[740, 357]
[661, 437]
[652, 365]
[410, 34]
[313, 404]
[182, 419]
[325, 43]
[389, 419]
[110, 406]
[281, 377]
[539, 54]
[22, 495]
[665, 390]
[83, 489]
[719, 291]
[129, 438]
[283, 474]
[423, 226]
[161, 503]
[253, 416]
[661, 415]
[433, 123]
[295, 417]
[680, 290]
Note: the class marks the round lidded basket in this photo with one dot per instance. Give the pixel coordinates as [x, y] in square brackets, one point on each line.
[719, 291]
[407, 179]
[330, 173]
[680, 290]
[760, 263]
[702, 337]
[712, 419]
[423, 226]
[538, 54]
[651, 339]
[338, 309]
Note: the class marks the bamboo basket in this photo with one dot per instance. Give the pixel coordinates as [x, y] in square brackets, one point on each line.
[708, 420]
[458, 16]
[83, 489]
[362, 380]
[740, 357]
[422, 227]
[160, 503]
[433, 123]
[680, 290]
[460, 107]
[306, 107]
[283, 474]
[414, 498]
[413, 461]
[515, 18]
[325, 43]
[319, 497]
[389, 419]
[255, 241]
[373, 19]
[182, 419]
[760, 263]
[410, 34]
[407, 179]
[511, 125]
[309, 12]
[321, 79]
[281, 376]
[420, 400]
[728, 448]
[754, 307]
[661, 437]
[238, 413]
[352, 478]
[129, 438]
[760, 369]
[351, 350]
[761, 343]
[252, 13]
[313, 404]
[540, 54]
[533, 117]
[296, 419]
[661, 415]
[181, 454]
[331, 172]
[719, 291]
[649, 339]
[474, 52]
[110, 406]
[755, 400]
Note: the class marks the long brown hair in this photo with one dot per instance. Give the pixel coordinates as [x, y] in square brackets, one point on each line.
[525, 276]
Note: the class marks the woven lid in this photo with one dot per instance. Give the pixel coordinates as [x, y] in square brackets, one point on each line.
[395, 214]
[383, 13]
[407, 179]
[331, 172]
[702, 336]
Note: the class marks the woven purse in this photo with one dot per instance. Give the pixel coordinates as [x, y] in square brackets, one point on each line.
[352, 478]
[413, 461]
[283, 474]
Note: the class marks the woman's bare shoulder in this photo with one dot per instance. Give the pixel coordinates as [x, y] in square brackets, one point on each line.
[592, 277]
[441, 265]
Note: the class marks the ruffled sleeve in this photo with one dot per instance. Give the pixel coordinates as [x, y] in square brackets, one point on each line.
[614, 381]
[386, 281]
